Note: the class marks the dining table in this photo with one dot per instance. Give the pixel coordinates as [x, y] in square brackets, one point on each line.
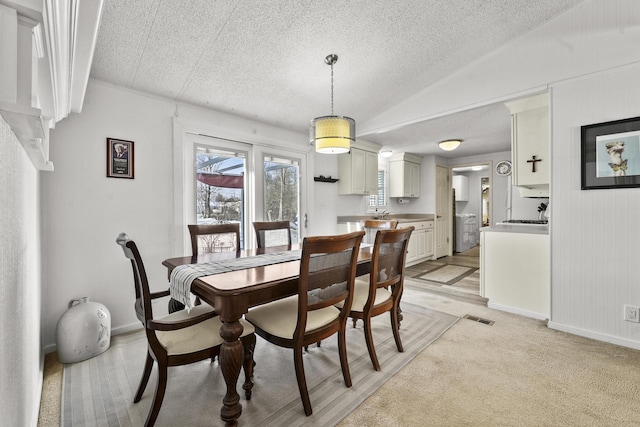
[232, 293]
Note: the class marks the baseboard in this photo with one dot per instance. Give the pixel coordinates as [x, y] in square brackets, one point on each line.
[514, 310]
[595, 335]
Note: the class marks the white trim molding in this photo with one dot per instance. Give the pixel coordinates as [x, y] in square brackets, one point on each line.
[46, 51]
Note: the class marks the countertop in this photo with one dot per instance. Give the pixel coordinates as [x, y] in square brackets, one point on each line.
[517, 228]
[408, 217]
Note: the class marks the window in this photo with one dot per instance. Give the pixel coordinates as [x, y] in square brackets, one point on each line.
[379, 200]
[220, 186]
[282, 192]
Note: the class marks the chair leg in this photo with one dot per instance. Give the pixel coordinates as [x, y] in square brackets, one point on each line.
[148, 365]
[342, 349]
[368, 336]
[302, 381]
[395, 326]
[158, 397]
[175, 305]
[249, 344]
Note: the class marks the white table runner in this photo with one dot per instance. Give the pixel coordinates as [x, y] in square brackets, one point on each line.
[183, 275]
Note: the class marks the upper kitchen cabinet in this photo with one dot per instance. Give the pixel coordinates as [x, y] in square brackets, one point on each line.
[530, 145]
[460, 184]
[404, 175]
[358, 169]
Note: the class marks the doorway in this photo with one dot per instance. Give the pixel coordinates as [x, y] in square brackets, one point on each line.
[473, 206]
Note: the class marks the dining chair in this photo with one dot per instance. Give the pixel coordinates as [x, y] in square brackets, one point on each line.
[327, 275]
[382, 292]
[208, 238]
[181, 338]
[372, 225]
[272, 233]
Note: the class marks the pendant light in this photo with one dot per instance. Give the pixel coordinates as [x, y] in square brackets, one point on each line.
[332, 134]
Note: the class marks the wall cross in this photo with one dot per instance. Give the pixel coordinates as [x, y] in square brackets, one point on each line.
[533, 162]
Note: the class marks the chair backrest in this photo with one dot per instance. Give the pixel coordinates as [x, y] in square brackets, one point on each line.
[327, 274]
[387, 261]
[208, 238]
[143, 298]
[371, 226]
[272, 233]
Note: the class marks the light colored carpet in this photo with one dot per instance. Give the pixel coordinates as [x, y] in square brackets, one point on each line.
[514, 373]
[448, 274]
[99, 391]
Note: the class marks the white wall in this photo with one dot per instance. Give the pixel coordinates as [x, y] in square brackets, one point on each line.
[21, 355]
[595, 233]
[85, 210]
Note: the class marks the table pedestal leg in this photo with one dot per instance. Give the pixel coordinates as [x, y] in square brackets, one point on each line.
[231, 356]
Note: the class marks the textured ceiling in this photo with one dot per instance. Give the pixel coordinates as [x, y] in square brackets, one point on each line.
[264, 60]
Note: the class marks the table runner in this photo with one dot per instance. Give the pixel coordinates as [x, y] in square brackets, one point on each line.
[183, 275]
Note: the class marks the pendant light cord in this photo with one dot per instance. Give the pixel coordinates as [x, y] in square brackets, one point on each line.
[332, 88]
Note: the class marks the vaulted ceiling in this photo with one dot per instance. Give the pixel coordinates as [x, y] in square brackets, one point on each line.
[264, 60]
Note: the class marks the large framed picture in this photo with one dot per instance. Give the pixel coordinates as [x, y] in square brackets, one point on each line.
[119, 158]
[611, 154]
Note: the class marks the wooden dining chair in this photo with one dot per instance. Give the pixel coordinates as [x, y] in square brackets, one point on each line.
[327, 275]
[272, 233]
[382, 292]
[208, 238]
[371, 226]
[181, 338]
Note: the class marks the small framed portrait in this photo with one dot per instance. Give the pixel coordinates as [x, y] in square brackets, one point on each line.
[119, 158]
[611, 154]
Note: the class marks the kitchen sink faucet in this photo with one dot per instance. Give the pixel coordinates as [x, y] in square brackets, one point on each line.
[383, 215]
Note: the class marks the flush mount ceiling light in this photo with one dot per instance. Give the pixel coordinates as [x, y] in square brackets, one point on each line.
[332, 134]
[450, 144]
[386, 152]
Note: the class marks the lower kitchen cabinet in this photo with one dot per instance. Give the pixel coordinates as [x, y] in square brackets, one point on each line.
[421, 241]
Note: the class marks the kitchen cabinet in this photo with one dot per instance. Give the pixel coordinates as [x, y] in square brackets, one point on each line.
[404, 175]
[420, 247]
[515, 270]
[358, 172]
[530, 136]
[460, 184]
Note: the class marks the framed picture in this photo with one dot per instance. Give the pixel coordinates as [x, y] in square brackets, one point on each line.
[611, 154]
[119, 158]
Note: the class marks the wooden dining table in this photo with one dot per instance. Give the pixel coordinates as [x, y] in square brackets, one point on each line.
[233, 293]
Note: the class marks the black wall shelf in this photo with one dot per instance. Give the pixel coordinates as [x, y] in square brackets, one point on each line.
[322, 178]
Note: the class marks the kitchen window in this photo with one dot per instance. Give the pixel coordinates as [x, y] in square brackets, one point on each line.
[379, 200]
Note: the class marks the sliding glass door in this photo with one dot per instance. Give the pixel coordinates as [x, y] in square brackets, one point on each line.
[220, 187]
[225, 181]
[281, 187]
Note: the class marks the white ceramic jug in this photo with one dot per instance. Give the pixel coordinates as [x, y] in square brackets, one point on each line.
[83, 331]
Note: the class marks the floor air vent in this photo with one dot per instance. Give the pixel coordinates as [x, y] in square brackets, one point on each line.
[478, 319]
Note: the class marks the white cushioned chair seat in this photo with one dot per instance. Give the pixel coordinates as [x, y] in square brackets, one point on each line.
[197, 337]
[361, 293]
[279, 318]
